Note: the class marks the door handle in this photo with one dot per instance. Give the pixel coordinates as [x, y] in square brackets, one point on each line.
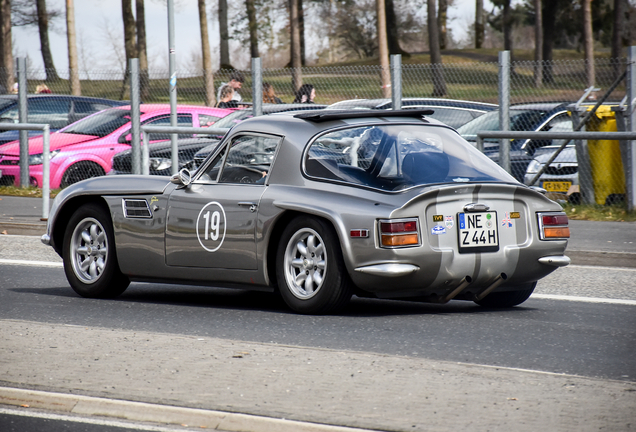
[251, 205]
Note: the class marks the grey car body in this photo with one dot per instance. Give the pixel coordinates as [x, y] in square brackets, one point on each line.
[318, 206]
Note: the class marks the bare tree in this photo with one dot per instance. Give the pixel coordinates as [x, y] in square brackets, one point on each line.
[73, 68]
[588, 42]
[130, 40]
[618, 34]
[224, 36]
[7, 80]
[507, 26]
[253, 27]
[538, 44]
[43, 27]
[142, 52]
[479, 23]
[296, 61]
[208, 77]
[442, 18]
[392, 30]
[439, 84]
[383, 49]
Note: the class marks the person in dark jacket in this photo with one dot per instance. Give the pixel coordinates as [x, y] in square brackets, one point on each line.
[226, 93]
[305, 94]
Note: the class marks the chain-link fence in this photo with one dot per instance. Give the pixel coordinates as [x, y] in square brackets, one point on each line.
[540, 95]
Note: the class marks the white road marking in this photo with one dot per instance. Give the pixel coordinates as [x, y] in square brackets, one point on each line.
[31, 263]
[86, 420]
[584, 299]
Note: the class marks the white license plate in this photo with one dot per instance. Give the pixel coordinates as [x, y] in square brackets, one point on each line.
[478, 232]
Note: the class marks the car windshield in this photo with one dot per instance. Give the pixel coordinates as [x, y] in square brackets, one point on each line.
[6, 102]
[520, 120]
[396, 157]
[233, 118]
[100, 124]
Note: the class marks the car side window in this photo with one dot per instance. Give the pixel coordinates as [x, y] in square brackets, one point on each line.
[249, 159]
[207, 120]
[183, 120]
[49, 110]
[211, 172]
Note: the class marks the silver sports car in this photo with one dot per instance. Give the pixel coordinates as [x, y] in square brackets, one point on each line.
[319, 206]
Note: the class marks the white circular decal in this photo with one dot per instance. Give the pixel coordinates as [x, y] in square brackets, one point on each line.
[211, 226]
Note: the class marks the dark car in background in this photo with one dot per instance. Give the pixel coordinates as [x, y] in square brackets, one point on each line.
[452, 112]
[56, 110]
[543, 117]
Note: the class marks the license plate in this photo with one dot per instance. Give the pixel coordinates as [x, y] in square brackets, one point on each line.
[557, 186]
[478, 232]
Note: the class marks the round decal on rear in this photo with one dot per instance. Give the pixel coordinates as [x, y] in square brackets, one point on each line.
[211, 226]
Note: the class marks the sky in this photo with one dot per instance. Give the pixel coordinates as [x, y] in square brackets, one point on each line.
[99, 29]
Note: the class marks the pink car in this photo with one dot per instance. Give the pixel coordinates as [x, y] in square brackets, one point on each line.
[86, 148]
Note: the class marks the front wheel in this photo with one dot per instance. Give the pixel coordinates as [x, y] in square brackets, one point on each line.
[90, 261]
[310, 270]
[508, 298]
[80, 171]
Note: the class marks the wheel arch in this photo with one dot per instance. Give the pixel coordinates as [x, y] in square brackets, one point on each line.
[276, 233]
[65, 213]
[85, 158]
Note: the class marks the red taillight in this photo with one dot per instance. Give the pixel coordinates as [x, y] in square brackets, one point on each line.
[397, 233]
[553, 226]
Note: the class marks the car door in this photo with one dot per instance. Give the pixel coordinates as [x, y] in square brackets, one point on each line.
[212, 223]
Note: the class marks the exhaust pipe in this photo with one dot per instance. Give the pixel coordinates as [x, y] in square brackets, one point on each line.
[463, 284]
[500, 279]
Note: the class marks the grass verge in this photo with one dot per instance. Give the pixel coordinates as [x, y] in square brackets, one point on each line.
[615, 213]
[32, 192]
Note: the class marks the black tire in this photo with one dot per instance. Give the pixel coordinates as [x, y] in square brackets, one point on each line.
[508, 299]
[311, 274]
[80, 171]
[90, 259]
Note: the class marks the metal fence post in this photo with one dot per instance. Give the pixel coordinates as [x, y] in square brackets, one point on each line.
[631, 127]
[134, 116]
[396, 81]
[23, 118]
[257, 87]
[586, 185]
[173, 86]
[46, 170]
[504, 108]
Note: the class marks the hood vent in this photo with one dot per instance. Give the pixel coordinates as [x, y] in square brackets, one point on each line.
[136, 208]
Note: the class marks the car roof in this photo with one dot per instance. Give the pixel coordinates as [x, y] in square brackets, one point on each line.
[61, 96]
[542, 106]
[385, 103]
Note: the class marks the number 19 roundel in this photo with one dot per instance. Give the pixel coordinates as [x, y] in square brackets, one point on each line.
[211, 226]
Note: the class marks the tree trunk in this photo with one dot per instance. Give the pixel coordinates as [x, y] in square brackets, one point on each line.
[130, 41]
[253, 27]
[224, 35]
[73, 68]
[439, 84]
[208, 77]
[479, 23]
[144, 79]
[301, 26]
[383, 49]
[43, 28]
[538, 44]
[7, 80]
[618, 34]
[507, 26]
[549, 22]
[296, 62]
[589, 42]
[442, 18]
[392, 36]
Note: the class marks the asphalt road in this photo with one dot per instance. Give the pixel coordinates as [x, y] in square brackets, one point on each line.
[569, 363]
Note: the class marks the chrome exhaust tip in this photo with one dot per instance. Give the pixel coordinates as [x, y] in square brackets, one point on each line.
[498, 281]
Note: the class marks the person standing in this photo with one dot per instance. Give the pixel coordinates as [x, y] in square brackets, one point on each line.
[305, 94]
[269, 95]
[236, 81]
[226, 92]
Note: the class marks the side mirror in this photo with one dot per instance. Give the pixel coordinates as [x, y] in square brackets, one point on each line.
[182, 178]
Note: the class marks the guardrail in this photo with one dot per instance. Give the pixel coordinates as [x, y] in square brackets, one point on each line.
[46, 159]
[624, 137]
[147, 130]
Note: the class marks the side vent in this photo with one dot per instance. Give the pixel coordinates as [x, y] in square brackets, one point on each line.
[136, 208]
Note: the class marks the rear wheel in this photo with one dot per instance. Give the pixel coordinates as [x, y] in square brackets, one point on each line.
[310, 270]
[90, 261]
[81, 171]
[508, 298]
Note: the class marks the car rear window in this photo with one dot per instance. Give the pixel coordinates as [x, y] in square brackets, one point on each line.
[396, 157]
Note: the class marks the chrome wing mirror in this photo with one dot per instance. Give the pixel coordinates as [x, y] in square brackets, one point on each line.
[182, 178]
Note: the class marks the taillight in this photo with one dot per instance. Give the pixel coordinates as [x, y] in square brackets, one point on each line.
[553, 226]
[399, 232]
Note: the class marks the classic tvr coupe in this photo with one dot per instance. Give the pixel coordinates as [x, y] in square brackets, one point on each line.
[319, 206]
